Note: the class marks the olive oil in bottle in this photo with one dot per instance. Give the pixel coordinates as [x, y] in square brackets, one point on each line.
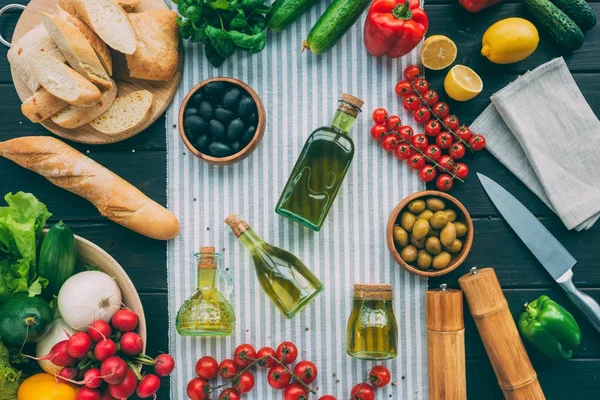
[320, 168]
[283, 277]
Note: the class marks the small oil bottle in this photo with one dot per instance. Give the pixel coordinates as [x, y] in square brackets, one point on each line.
[207, 312]
[372, 332]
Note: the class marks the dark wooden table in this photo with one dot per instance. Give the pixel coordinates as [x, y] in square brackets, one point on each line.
[141, 160]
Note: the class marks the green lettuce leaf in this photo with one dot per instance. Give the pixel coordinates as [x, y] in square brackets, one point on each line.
[9, 377]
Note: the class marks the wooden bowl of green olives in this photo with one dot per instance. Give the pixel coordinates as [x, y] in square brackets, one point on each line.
[430, 233]
[221, 120]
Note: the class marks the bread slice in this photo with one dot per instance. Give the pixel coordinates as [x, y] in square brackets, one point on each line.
[63, 82]
[35, 41]
[41, 106]
[72, 117]
[127, 114]
[97, 44]
[107, 19]
[77, 50]
[129, 5]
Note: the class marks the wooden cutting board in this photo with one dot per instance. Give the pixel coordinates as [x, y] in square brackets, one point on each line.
[163, 91]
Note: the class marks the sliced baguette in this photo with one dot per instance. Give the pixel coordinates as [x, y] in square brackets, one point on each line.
[41, 106]
[127, 114]
[97, 44]
[63, 82]
[129, 5]
[72, 117]
[107, 19]
[35, 41]
[77, 50]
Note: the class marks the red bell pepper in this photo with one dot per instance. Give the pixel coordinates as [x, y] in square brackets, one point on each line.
[394, 27]
[477, 5]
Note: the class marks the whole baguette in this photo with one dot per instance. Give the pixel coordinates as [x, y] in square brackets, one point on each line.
[114, 197]
[41, 106]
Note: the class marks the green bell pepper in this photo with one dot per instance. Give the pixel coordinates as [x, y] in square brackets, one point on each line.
[550, 328]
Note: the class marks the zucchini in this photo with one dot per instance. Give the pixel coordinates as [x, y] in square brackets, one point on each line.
[57, 257]
[579, 11]
[335, 21]
[284, 12]
[558, 25]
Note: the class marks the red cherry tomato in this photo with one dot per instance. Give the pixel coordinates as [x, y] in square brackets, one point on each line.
[461, 170]
[228, 368]
[377, 131]
[416, 161]
[379, 115]
[457, 151]
[245, 382]
[446, 162]
[444, 182]
[295, 392]
[306, 371]
[433, 151]
[230, 394]
[279, 378]
[389, 143]
[327, 397]
[270, 354]
[431, 97]
[432, 127]
[198, 389]
[287, 352]
[420, 141]
[363, 391]
[422, 114]
[464, 133]
[207, 368]
[403, 151]
[411, 72]
[441, 109]
[406, 132]
[444, 140]
[393, 123]
[243, 355]
[410, 102]
[427, 173]
[477, 142]
[403, 88]
[451, 121]
[421, 85]
[380, 376]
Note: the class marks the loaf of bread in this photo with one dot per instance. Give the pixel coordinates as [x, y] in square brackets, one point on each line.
[128, 113]
[41, 106]
[72, 117]
[129, 5]
[157, 54]
[116, 199]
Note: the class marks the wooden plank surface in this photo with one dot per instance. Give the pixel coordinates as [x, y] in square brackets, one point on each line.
[141, 160]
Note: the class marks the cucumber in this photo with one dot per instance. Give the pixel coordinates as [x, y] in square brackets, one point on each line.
[24, 319]
[558, 25]
[335, 21]
[57, 257]
[579, 11]
[284, 12]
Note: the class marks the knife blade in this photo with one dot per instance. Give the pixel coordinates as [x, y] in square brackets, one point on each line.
[545, 247]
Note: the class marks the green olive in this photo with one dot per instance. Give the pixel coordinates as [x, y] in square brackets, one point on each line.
[407, 220]
[423, 260]
[451, 214]
[455, 247]
[418, 243]
[448, 234]
[409, 253]
[400, 236]
[439, 220]
[416, 206]
[433, 245]
[461, 229]
[420, 229]
[427, 214]
[435, 204]
[442, 260]
[434, 233]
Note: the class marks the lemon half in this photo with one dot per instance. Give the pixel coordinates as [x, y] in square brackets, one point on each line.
[438, 52]
[462, 83]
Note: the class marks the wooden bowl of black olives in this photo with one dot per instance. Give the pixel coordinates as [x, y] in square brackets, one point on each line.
[221, 120]
[430, 233]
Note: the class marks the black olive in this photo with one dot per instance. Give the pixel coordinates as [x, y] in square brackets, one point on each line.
[253, 120]
[216, 129]
[215, 89]
[245, 107]
[202, 143]
[235, 130]
[219, 149]
[235, 147]
[248, 135]
[206, 110]
[223, 114]
[197, 97]
[190, 111]
[231, 97]
[194, 124]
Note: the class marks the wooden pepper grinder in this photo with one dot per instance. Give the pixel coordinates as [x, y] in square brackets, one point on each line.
[446, 344]
[500, 336]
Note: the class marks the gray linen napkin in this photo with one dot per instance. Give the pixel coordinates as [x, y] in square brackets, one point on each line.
[543, 130]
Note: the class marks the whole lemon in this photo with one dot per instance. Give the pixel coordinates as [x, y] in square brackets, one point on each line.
[509, 40]
[45, 387]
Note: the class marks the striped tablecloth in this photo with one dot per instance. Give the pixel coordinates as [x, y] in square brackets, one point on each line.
[300, 93]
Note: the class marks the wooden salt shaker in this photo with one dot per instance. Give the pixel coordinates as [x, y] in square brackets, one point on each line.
[500, 336]
[446, 344]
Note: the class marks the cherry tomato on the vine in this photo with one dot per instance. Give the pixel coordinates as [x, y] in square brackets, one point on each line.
[451, 121]
[422, 114]
[403, 88]
[477, 142]
[441, 109]
[444, 140]
[306, 371]
[379, 115]
[464, 133]
[245, 382]
[377, 131]
[230, 394]
[279, 378]
[406, 132]
[444, 182]
[432, 127]
[207, 368]
[198, 389]
[393, 123]
[380, 376]
[457, 151]
[411, 72]
[421, 85]
[363, 391]
[416, 161]
[295, 392]
[228, 368]
[388, 143]
[243, 355]
[431, 97]
[327, 397]
[420, 141]
[461, 170]
[410, 102]
[287, 352]
[433, 151]
[427, 173]
[446, 162]
[403, 151]
[270, 355]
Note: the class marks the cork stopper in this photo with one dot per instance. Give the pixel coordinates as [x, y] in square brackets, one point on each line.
[444, 310]
[373, 291]
[206, 258]
[350, 104]
[237, 225]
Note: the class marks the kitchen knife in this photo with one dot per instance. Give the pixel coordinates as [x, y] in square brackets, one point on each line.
[545, 247]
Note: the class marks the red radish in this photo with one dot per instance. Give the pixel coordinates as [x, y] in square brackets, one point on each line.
[113, 370]
[107, 396]
[92, 378]
[67, 374]
[164, 364]
[79, 344]
[104, 349]
[148, 386]
[58, 355]
[124, 389]
[132, 344]
[88, 394]
[125, 320]
[99, 330]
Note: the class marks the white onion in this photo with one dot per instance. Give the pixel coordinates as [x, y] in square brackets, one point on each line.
[87, 297]
[56, 333]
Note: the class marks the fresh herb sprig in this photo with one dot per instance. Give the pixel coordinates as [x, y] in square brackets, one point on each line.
[223, 25]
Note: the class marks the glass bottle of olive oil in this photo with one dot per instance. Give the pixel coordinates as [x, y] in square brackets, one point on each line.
[207, 312]
[283, 277]
[320, 168]
[372, 331]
